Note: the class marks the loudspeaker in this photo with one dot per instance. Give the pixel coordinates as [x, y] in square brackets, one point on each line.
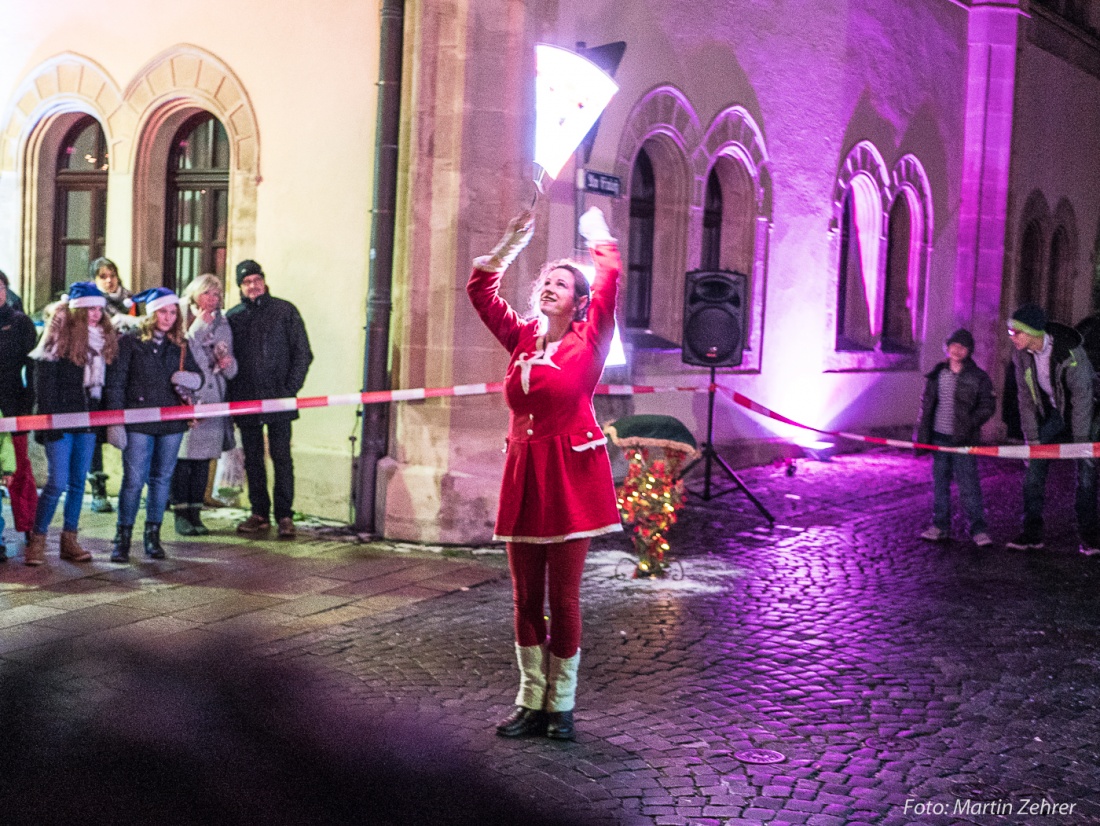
[714, 318]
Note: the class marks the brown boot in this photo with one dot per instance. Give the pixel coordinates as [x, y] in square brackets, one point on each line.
[70, 548]
[35, 551]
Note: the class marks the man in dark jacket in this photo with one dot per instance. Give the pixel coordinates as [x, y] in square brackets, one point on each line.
[1054, 379]
[17, 338]
[273, 355]
[957, 401]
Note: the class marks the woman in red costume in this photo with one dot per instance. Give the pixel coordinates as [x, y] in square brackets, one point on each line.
[557, 490]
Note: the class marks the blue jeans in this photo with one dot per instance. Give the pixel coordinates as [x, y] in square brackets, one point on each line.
[964, 467]
[67, 460]
[147, 459]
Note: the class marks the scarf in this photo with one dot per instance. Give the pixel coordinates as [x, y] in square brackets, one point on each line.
[95, 368]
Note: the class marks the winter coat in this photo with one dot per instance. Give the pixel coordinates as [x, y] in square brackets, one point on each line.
[1071, 376]
[974, 403]
[17, 338]
[273, 354]
[141, 376]
[59, 388]
[209, 437]
[557, 476]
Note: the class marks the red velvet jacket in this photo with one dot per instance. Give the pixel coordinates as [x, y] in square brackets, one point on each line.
[557, 477]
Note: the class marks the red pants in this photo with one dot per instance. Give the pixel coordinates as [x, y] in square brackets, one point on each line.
[534, 567]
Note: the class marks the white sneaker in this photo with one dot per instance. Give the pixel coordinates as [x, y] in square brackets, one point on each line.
[934, 534]
[983, 540]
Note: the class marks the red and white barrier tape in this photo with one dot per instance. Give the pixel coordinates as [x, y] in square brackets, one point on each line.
[144, 415]
[1083, 450]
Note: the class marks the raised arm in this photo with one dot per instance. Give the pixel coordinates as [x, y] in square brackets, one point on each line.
[483, 288]
[605, 286]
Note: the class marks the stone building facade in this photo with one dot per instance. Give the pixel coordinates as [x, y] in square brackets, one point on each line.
[880, 172]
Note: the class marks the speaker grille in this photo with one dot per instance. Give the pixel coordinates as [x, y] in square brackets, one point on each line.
[714, 323]
[713, 333]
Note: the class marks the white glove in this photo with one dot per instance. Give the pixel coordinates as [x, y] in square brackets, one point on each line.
[116, 435]
[593, 228]
[187, 380]
[519, 232]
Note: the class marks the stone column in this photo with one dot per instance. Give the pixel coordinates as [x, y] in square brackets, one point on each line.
[467, 137]
[987, 152]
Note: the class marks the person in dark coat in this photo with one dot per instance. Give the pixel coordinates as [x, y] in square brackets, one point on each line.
[17, 338]
[13, 300]
[72, 360]
[1055, 389]
[273, 356]
[958, 399]
[152, 370]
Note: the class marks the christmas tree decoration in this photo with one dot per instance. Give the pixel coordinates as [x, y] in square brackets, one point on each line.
[652, 494]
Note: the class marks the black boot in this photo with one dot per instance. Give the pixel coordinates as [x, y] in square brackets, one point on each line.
[194, 515]
[523, 721]
[184, 525]
[100, 503]
[120, 548]
[560, 725]
[153, 548]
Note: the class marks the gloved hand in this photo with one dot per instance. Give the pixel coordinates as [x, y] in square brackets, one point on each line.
[116, 435]
[519, 232]
[593, 228]
[187, 380]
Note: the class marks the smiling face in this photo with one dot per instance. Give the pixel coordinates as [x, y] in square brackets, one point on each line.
[166, 317]
[557, 294]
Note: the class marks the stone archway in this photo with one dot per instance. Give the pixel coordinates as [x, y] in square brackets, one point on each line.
[170, 88]
[49, 100]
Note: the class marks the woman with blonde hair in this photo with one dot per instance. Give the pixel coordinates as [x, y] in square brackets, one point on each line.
[210, 343]
[153, 369]
[557, 492]
[71, 365]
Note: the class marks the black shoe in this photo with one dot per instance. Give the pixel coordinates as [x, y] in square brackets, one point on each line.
[153, 549]
[120, 548]
[522, 722]
[100, 503]
[559, 725]
[184, 526]
[1026, 542]
[194, 515]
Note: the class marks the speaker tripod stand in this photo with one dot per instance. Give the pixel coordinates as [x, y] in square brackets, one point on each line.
[709, 457]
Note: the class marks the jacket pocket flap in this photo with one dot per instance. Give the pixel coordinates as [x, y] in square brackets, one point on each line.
[587, 440]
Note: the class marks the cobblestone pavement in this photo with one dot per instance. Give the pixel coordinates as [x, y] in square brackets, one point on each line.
[896, 680]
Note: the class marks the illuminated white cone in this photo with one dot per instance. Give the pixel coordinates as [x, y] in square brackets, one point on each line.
[570, 93]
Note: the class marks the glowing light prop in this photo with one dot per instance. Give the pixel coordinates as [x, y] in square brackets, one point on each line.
[570, 93]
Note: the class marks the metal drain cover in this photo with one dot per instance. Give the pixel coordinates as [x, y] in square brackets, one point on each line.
[760, 756]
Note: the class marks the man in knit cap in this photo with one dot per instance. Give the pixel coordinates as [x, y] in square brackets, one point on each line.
[273, 355]
[958, 399]
[1054, 379]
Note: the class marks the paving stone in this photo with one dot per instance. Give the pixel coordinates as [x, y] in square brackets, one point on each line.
[882, 667]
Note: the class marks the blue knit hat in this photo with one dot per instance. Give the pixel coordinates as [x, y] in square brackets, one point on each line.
[84, 294]
[154, 299]
[1029, 319]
